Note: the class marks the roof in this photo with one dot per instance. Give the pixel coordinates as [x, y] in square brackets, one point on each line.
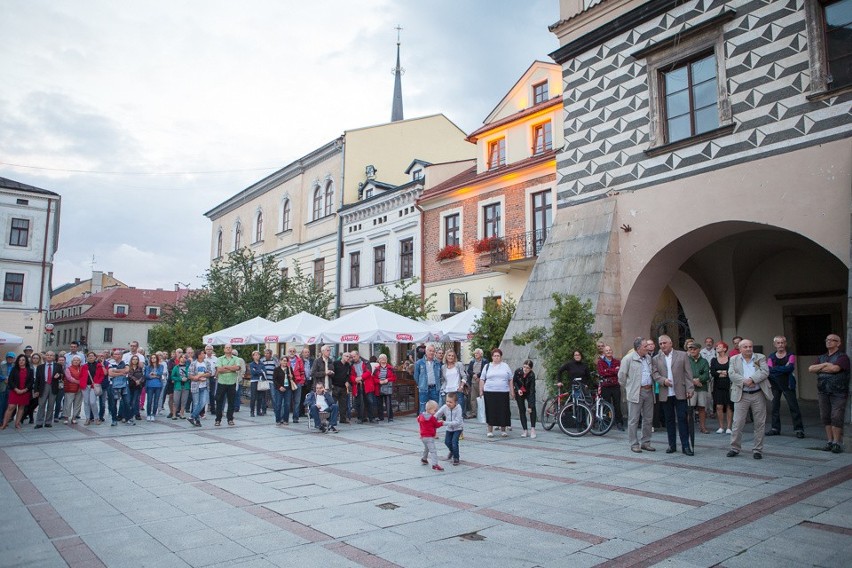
[135, 298]
[415, 162]
[470, 177]
[555, 101]
[526, 74]
[6, 183]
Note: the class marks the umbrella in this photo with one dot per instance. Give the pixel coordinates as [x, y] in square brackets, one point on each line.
[10, 339]
[372, 324]
[240, 333]
[300, 328]
[459, 326]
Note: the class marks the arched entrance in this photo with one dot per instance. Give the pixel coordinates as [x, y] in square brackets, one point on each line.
[741, 278]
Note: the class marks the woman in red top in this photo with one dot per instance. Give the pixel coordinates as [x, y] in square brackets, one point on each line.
[20, 385]
[383, 379]
[76, 379]
[92, 389]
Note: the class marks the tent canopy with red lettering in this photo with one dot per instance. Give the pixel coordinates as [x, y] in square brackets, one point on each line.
[239, 334]
[372, 324]
[458, 327]
[301, 328]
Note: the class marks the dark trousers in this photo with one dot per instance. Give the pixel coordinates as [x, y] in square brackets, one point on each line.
[212, 382]
[385, 404]
[675, 413]
[522, 411]
[257, 402]
[229, 393]
[365, 406]
[613, 396]
[792, 402]
[342, 398]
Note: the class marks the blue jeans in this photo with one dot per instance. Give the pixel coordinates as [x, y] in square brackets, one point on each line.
[153, 400]
[333, 415]
[295, 401]
[276, 403]
[120, 407]
[200, 398]
[134, 409]
[431, 393]
[60, 404]
[284, 401]
[451, 439]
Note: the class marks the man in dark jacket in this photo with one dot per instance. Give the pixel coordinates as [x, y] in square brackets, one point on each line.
[46, 388]
[340, 385]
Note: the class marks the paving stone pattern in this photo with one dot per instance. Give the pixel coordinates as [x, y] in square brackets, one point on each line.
[166, 494]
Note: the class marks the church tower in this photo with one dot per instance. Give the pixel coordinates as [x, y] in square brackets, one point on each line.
[396, 112]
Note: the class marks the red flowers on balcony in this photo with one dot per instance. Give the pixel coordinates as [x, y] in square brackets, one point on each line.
[488, 244]
[449, 252]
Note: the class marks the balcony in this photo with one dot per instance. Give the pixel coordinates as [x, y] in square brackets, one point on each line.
[517, 252]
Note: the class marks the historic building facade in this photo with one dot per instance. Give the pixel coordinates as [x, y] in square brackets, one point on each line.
[704, 185]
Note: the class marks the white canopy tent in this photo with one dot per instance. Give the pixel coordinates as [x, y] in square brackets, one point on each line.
[457, 327]
[372, 324]
[10, 339]
[301, 328]
[239, 334]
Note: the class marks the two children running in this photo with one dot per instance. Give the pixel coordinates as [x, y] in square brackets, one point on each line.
[453, 417]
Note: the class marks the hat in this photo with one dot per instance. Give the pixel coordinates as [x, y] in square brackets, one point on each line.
[28, 348]
[10, 354]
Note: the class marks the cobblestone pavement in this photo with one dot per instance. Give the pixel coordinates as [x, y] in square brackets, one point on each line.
[166, 494]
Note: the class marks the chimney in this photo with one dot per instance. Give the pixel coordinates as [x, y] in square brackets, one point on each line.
[177, 288]
[109, 273]
[97, 281]
[76, 281]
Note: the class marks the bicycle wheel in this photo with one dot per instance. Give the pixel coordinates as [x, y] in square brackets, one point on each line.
[575, 419]
[549, 413]
[603, 419]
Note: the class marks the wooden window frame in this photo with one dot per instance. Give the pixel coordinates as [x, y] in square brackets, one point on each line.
[379, 264]
[355, 269]
[497, 153]
[16, 233]
[406, 258]
[544, 128]
[13, 291]
[452, 235]
[540, 94]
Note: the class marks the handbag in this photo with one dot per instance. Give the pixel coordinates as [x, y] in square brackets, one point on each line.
[98, 389]
[480, 409]
[262, 385]
[386, 389]
[293, 385]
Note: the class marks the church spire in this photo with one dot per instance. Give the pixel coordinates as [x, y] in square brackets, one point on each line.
[396, 112]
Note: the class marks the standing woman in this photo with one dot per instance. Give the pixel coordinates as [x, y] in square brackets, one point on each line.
[283, 381]
[575, 368]
[35, 363]
[135, 382]
[722, 388]
[76, 379]
[181, 388]
[524, 385]
[153, 386]
[257, 373]
[298, 368]
[20, 380]
[453, 378]
[384, 376]
[93, 388]
[496, 379]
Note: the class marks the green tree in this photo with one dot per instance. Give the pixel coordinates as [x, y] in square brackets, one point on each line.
[570, 330]
[303, 294]
[490, 327]
[402, 300]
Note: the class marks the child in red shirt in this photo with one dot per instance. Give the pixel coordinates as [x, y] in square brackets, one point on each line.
[428, 429]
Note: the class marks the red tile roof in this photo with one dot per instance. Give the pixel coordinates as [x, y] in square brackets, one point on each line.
[135, 298]
[470, 177]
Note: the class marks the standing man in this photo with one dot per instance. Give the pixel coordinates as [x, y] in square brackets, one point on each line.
[735, 342]
[427, 375]
[308, 364]
[227, 369]
[832, 371]
[361, 378]
[241, 374]
[781, 367]
[134, 350]
[474, 370]
[47, 388]
[750, 390]
[635, 375]
[608, 367]
[323, 368]
[342, 369]
[212, 363]
[673, 373]
[701, 382]
[708, 352]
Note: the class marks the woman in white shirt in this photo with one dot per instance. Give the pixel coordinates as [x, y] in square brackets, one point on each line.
[496, 379]
[453, 378]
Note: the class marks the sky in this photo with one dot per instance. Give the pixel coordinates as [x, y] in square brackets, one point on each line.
[143, 115]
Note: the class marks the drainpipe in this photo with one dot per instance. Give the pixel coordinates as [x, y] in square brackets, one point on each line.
[422, 256]
[44, 258]
[337, 277]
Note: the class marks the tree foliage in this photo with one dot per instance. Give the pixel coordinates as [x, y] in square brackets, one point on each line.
[490, 327]
[402, 300]
[303, 294]
[570, 330]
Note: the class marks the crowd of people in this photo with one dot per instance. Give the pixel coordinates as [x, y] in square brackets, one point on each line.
[663, 387]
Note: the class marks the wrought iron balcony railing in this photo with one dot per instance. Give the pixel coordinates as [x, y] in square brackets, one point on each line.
[519, 246]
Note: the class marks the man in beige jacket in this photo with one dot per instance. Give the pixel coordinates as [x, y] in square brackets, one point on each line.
[750, 389]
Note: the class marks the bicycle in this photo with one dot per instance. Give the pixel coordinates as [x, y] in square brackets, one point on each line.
[575, 418]
[552, 407]
[604, 415]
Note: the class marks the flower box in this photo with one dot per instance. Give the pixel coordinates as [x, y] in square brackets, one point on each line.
[488, 244]
[449, 252]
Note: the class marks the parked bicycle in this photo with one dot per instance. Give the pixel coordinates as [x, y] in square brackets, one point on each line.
[575, 418]
[552, 407]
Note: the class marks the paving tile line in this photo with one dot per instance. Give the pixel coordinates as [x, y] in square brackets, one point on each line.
[71, 548]
[827, 528]
[659, 550]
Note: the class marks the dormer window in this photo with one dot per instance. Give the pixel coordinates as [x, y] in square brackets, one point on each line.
[540, 92]
[417, 174]
[496, 153]
[368, 193]
[120, 309]
[152, 311]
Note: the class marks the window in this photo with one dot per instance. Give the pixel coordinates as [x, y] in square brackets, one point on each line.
[120, 310]
[329, 198]
[20, 233]
[107, 335]
[417, 174]
[369, 193]
[496, 153]
[258, 227]
[838, 43]
[542, 218]
[319, 272]
[406, 258]
[238, 235]
[542, 138]
[153, 311]
[355, 269]
[379, 265]
[451, 230]
[317, 213]
[540, 93]
[491, 302]
[285, 216]
[13, 291]
[219, 244]
[691, 98]
[491, 220]
[284, 273]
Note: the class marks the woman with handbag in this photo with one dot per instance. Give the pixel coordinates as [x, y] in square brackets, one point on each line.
[93, 388]
[497, 389]
[524, 384]
[76, 378]
[259, 384]
[453, 378]
[135, 382]
[181, 387]
[283, 381]
[384, 376]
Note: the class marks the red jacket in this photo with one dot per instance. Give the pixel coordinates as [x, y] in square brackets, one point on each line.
[72, 388]
[428, 426]
[608, 373]
[99, 373]
[391, 377]
[298, 370]
[366, 376]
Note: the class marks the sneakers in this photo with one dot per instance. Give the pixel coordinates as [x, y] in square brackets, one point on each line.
[455, 462]
[437, 467]
[424, 461]
[829, 446]
[333, 430]
[490, 435]
[799, 434]
[837, 449]
[450, 456]
[728, 431]
[524, 434]
[532, 432]
[504, 434]
[720, 431]
[322, 429]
